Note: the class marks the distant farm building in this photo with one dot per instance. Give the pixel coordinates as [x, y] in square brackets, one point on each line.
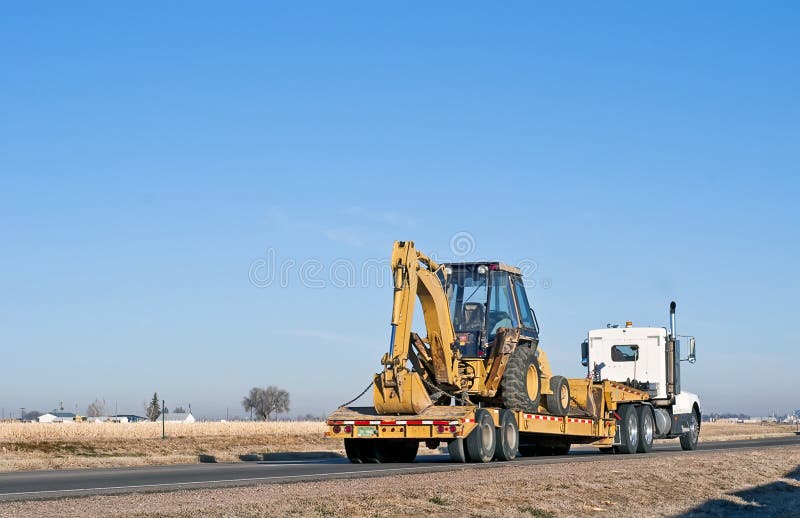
[181, 418]
[57, 417]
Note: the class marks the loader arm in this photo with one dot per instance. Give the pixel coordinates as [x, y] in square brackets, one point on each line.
[399, 390]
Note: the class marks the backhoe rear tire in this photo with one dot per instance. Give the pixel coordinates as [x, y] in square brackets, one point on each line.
[480, 442]
[521, 384]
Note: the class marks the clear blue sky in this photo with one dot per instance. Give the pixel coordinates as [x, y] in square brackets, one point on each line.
[150, 157]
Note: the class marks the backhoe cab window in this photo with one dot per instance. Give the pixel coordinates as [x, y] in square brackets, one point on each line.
[480, 303]
[501, 305]
[466, 293]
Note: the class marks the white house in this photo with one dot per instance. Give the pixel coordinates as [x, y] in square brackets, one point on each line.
[57, 417]
[181, 418]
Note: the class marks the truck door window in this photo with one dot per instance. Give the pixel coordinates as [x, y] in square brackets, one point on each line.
[625, 353]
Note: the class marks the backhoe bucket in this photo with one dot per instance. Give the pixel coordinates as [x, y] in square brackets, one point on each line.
[409, 397]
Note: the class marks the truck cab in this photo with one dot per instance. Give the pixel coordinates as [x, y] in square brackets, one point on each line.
[647, 359]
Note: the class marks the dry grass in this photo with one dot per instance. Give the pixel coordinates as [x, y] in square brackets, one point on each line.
[26, 446]
[762, 482]
[742, 431]
[29, 446]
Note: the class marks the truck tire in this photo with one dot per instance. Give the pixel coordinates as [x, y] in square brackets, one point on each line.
[521, 387]
[456, 450]
[507, 440]
[689, 439]
[480, 442]
[628, 429]
[558, 402]
[647, 429]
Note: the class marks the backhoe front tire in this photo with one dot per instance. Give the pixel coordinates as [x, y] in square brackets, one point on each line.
[521, 384]
[480, 442]
[558, 402]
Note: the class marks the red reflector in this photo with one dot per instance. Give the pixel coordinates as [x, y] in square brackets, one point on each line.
[440, 429]
[348, 429]
[337, 429]
[453, 428]
[493, 267]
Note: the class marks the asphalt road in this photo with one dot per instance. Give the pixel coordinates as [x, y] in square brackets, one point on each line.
[55, 484]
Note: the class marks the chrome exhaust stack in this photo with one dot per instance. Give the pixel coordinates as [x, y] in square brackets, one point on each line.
[672, 329]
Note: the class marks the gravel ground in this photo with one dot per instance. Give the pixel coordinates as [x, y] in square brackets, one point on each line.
[730, 483]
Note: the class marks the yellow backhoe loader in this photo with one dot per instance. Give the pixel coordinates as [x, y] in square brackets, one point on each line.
[481, 344]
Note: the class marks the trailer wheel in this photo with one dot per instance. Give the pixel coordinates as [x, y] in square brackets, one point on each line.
[526, 449]
[507, 439]
[521, 387]
[353, 450]
[562, 449]
[456, 450]
[558, 402]
[362, 451]
[646, 429]
[689, 439]
[394, 450]
[628, 429]
[480, 442]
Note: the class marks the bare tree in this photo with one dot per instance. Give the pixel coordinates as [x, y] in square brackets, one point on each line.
[97, 408]
[265, 402]
[179, 410]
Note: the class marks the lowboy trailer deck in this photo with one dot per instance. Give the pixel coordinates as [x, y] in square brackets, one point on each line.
[595, 421]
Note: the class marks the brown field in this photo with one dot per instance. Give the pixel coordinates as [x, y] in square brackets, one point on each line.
[750, 482]
[28, 446]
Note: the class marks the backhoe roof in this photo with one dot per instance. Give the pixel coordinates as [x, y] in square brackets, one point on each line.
[497, 265]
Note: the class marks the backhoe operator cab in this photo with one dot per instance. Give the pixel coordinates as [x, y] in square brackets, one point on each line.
[483, 297]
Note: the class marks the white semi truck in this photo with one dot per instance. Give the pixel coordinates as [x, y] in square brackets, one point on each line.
[646, 359]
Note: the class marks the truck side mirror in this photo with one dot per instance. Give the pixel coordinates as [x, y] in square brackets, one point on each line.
[692, 352]
[585, 353]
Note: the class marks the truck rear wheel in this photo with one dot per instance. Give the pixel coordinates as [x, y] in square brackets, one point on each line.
[507, 440]
[646, 429]
[558, 402]
[521, 387]
[480, 442]
[628, 429]
[690, 438]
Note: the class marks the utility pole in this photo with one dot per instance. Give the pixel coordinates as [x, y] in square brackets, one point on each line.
[163, 420]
